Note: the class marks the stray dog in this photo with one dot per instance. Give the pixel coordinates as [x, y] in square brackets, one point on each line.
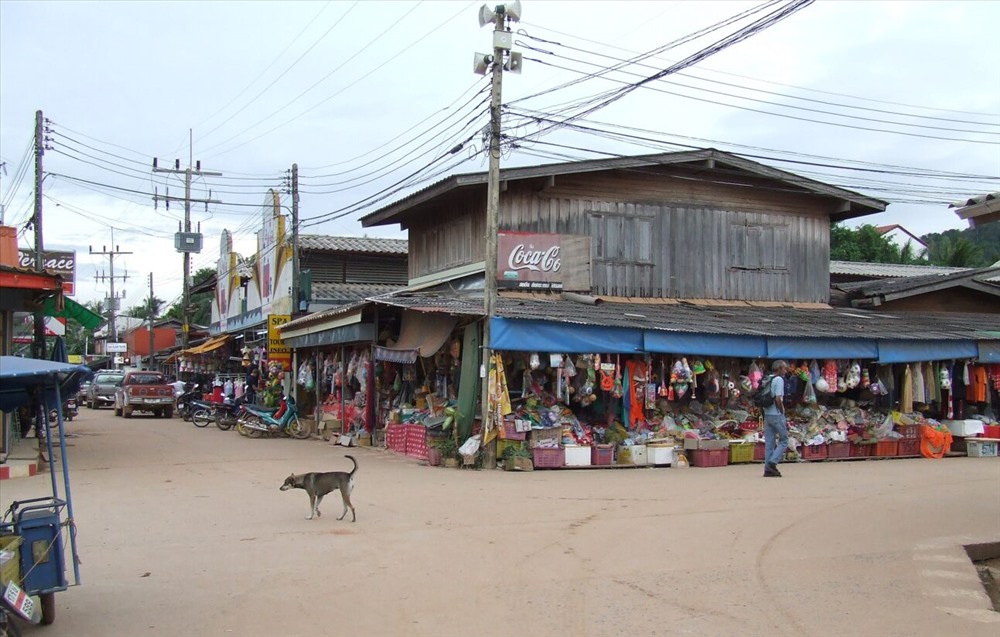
[318, 485]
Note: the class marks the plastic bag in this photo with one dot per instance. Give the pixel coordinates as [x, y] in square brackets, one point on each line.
[809, 394]
[469, 447]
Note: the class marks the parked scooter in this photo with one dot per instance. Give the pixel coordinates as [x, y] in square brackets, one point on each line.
[224, 414]
[257, 422]
[70, 411]
[184, 407]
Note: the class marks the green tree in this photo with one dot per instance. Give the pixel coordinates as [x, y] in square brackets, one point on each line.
[865, 244]
[958, 252]
[201, 303]
[79, 339]
[986, 238]
[150, 306]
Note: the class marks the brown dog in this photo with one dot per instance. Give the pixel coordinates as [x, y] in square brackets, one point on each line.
[317, 485]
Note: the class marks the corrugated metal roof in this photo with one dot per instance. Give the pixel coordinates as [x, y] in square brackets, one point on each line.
[349, 292]
[364, 245]
[387, 214]
[888, 270]
[962, 277]
[318, 317]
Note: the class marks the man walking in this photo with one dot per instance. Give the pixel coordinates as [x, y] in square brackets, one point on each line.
[775, 426]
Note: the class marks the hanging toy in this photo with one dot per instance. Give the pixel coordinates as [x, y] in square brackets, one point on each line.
[534, 362]
[755, 376]
[865, 378]
[853, 376]
[671, 395]
[830, 373]
[664, 384]
[945, 379]
[619, 390]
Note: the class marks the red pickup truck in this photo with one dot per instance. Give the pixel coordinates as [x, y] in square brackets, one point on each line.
[144, 391]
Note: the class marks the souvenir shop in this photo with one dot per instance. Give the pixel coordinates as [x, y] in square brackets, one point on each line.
[671, 406]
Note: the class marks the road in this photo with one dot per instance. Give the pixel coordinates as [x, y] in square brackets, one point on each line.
[183, 531]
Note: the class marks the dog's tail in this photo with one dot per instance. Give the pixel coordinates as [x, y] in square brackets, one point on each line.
[354, 470]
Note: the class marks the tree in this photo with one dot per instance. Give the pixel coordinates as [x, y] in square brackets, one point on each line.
[958, 252]
[151, 306]
[77, 336]
[201, 303]
[867, 245]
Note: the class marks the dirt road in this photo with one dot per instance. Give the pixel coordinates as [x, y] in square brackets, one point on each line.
[183, 531]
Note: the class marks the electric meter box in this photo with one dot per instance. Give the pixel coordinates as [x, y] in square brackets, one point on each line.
[188, 241]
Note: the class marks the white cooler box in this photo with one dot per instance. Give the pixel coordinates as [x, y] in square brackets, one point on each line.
[660, 455]
[965, 428]
[577, 456]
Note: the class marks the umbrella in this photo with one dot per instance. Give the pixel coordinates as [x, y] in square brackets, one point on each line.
[59, 351]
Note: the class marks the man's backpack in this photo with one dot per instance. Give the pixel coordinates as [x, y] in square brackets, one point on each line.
[763, 396]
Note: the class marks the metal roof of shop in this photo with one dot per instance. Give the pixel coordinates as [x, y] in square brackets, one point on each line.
[888, 270]
[349, 292]
[365, 245]
[985, 280]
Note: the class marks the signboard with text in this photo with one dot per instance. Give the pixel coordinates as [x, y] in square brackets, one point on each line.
[277, 351]
[529, 261]
[58, 262]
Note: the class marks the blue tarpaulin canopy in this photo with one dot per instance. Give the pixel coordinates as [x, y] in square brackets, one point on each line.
[18, 376]
[913, 351]
[543, 336]
[782, 347]
[705, 344]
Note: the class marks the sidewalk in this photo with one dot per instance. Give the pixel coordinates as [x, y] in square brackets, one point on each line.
[22, 462]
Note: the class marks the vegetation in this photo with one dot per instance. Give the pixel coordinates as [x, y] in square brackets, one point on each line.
[201, 303]
[969, 248]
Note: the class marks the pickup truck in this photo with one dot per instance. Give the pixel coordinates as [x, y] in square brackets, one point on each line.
[144, 391]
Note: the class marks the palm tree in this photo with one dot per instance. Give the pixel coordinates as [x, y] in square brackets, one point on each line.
[956, 252]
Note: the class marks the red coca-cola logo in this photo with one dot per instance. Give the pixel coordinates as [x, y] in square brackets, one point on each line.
[523, 257]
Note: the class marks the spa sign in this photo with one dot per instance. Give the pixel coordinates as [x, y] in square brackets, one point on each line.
[277, 351]
[528, 261]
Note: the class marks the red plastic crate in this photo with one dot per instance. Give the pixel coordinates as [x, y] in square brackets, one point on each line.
[887, 448]
[602, 455]
[862, 451]
[814, 452]
[991, 431]
[838, 450]
[709, 457]
[909, 447]
[758, 452]
[909, 432]
[549, 457]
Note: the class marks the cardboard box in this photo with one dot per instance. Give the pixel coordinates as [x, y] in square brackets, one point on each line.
[518, 463]
[660, 455]
[693, 443]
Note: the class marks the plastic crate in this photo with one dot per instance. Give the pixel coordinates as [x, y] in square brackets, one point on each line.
[10, 569]
[838, 450]
[991, 431]
[709, 457]
[887, 448]
[862, 451]
[509, 432]
[981, 448]
[909, 432]
[758, 452]
[502, 446]
[741, 452]
[549, 457]
[815, 452]
[602, 455]
[908, 447]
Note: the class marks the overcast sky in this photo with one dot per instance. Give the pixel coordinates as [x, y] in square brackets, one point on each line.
[364, 95]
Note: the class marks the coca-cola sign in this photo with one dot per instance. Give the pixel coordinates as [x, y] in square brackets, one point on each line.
[528, 261]
[57, 262]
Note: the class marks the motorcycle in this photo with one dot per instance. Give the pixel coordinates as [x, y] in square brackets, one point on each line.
[184, 406]
[257, 422]
[14, 603]
[224, 414]
[70, 411]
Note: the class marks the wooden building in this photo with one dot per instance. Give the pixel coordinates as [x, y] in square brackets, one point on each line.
[702, 224]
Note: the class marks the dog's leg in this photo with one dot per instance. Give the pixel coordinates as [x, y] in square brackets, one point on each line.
[312, 506]
[347, 504]
[319, 499]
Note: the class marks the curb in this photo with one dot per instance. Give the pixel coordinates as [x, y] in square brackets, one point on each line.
[18, 470]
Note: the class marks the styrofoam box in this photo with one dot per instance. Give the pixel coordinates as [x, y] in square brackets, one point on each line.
[660, 454]
[970, 427]
[639, 455]
[577, 456]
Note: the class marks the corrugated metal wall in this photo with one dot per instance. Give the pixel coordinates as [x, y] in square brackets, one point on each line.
[354, 268]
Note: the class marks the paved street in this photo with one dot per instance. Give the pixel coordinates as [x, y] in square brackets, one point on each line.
[183, 531]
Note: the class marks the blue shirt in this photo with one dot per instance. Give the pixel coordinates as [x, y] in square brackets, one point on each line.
[778, 391]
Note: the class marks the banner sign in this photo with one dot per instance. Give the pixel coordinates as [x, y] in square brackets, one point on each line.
[116, 348]
[62, 263]
[528, 261]
[277, 351]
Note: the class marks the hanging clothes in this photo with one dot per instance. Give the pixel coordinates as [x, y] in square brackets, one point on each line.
[917, 382]
[931, 377]
[906, 395]
[635, 373]
[975, 392]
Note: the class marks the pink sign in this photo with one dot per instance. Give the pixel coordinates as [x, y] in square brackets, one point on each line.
[527, 261]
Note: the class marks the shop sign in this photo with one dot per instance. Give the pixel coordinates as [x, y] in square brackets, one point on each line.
[62, 263]
[113, 348]
[277, 351]
[527, 261]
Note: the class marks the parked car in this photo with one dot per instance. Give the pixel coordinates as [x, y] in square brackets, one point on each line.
[144, 391]
[101, 392]
[81, 396]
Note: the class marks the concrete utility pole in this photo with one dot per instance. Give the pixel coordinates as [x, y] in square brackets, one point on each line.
[152, 315]
[38, 343]
[501, 51]
[186, 242]
[295, 239]
[113, 299]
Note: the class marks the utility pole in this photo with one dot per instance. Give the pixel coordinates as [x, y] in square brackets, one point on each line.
[113, 300]
[152, 315]
[186, 241]
[39, 340]
[502, 40]
[295, 239]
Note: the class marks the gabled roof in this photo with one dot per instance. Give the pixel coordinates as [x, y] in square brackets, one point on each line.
[979, 210]
[986, 280]
[358, 245]
[888, 270]
[857, 204]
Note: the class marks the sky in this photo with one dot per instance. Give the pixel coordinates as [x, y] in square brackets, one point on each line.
[896, 100]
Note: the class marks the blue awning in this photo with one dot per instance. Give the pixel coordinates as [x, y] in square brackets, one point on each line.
[704, 344]
[544, 336]
[916, 351]
[989, 351]
[784, 347]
